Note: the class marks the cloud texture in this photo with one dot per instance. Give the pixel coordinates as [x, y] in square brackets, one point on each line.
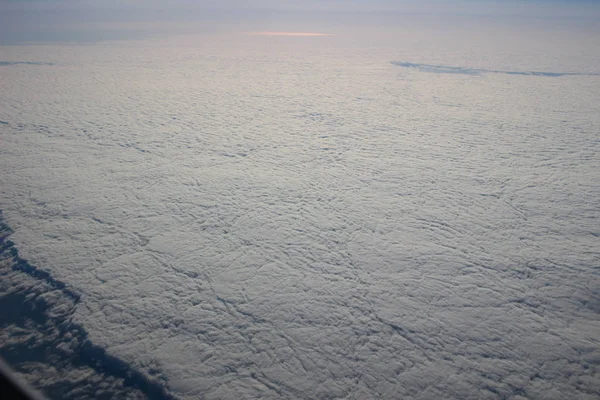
[295, 217]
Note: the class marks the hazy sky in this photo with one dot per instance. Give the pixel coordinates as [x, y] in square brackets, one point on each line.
[85, 20]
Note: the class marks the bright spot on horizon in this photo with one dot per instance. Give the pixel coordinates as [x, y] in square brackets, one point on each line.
[289, 34]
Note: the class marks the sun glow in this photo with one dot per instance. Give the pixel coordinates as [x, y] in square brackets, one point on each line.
[289, 34]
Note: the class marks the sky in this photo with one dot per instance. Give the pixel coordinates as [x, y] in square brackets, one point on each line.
[85, 20]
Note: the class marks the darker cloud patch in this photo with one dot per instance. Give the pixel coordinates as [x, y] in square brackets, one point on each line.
[447, 69]
[9, 63]
[52, 351]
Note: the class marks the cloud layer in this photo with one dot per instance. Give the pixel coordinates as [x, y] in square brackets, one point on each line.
[260, 217]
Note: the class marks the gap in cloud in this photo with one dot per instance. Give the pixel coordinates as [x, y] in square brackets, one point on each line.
[62, 361]
[447, 69]
[8, 63]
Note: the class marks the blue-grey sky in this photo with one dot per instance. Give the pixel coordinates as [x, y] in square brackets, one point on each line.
[83, 20]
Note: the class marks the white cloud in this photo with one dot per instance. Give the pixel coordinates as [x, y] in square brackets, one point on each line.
[296, 217]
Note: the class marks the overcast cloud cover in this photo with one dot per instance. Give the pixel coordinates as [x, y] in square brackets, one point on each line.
[405, 208]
